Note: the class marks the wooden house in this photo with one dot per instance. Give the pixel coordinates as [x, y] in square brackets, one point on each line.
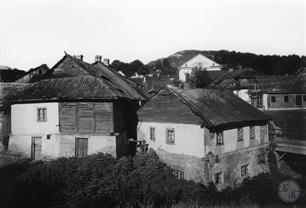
[74, 110]
[205, 135]
[33, 74]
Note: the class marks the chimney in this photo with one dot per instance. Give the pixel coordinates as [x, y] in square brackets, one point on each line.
[106, 61]
[79, 56]
[98, 58]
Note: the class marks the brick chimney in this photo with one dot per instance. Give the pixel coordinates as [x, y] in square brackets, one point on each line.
[98, 58]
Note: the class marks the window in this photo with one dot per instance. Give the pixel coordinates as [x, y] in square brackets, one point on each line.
[220, 140]
[244, 170]
[152, 133]
[240, 134]
[286, 98]
[42, 114]
[262, 158]
[273, 99]
[298, 100]
[304, 98]
[252, 132]
[170, 139]
[178, 173]
[218, 178]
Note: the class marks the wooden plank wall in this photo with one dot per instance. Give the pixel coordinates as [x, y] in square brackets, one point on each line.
[86, 117]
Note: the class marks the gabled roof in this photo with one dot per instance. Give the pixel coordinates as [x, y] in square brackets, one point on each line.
[230, 77]
[76, 69]
[216, 109]
[69, 88]
[199, 54]
[128, 86]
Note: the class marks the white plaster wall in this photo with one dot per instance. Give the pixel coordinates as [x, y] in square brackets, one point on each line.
[189, 139]
[182, 73]
[22, 144]
[243, 94]
[24, 119]
[265, 101]
[231, 141]
[105, 144]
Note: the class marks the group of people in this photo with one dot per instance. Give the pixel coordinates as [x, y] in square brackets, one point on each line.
[137, 146]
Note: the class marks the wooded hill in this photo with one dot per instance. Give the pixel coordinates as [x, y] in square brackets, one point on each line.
[268, 64]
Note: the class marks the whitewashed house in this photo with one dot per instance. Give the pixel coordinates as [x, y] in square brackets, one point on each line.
[198, 62]
[205, 135]
[75, 110]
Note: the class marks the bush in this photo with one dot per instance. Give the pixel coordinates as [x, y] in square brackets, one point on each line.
[140, 181]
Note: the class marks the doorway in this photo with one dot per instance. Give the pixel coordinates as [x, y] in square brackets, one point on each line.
[81, 147]
[36, 148]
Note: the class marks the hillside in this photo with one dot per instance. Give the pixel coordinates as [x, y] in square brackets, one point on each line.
[269, 64]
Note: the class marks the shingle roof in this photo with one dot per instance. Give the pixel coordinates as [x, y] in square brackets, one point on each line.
[217, 110]
[8, 90]
[86, 81]
[113, 77]
[226, 79]
[281, 84]
[81, 87]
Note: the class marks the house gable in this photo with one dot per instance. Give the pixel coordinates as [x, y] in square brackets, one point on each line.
[200, 61]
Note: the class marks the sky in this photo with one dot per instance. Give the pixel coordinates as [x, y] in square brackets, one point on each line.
[37, 32]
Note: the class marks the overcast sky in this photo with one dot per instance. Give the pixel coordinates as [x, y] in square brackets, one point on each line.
[35, 32]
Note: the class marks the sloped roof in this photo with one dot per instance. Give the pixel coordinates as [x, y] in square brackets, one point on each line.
[282, 84]
[128, 86]
[69, 88]
[69, 67]
[216, 109]
[227, 78]
[10, 89]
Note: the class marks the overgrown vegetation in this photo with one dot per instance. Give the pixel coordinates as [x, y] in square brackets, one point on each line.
[142, 181]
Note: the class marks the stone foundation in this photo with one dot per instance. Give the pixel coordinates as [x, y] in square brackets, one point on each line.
[203, 170]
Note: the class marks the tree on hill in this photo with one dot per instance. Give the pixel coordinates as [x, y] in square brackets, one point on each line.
[129, 69]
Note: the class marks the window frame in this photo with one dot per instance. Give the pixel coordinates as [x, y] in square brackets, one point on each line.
[42, 110]
[240, 134]
[168, 140]
[152, 133]
[252, 133]
[179, 174]
[244, 170]
[219, 138]
[218, 178]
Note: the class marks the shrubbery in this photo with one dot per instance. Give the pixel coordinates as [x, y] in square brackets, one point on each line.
[102, 181]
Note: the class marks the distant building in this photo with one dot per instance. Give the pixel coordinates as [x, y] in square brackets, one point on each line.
[283, 97]
[33, 74]
[75, 110]
[239, 81]
[205, 135]
[198, 62]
